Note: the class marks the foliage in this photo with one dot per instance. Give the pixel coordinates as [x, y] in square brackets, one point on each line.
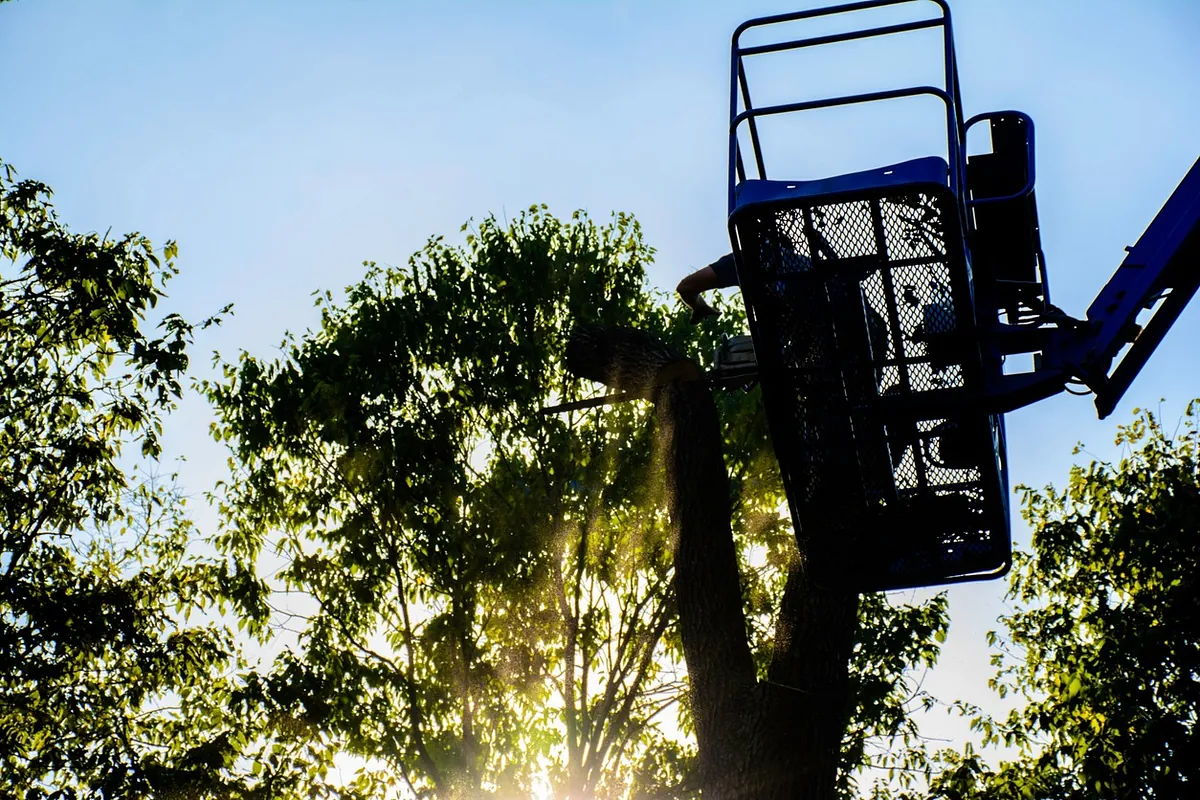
[1104, 642]
[883, 742]
[473, 563]
[106, 689]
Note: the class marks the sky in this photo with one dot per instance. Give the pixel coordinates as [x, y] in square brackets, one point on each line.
[284, 143]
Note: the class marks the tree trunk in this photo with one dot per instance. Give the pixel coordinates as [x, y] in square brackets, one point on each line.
[778, 738]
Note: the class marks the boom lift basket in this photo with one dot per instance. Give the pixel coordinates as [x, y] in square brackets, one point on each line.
[861, 303]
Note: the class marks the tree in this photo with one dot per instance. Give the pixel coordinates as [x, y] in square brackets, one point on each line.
[1104, 642]
[762, 733]
[492, 587]
[473, 562]
[106, 690]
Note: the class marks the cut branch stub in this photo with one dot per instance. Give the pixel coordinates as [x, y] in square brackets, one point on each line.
[625, 359]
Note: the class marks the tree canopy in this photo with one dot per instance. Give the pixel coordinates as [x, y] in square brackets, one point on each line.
[1103, 644]
[118, 676]
[94, 568]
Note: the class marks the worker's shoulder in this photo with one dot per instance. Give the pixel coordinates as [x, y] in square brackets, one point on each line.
[726, 271]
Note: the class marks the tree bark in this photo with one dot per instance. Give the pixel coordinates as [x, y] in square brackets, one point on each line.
[778, 738]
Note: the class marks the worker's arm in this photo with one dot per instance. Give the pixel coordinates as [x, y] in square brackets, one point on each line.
[717, 275]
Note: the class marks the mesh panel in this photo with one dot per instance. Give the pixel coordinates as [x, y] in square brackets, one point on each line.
[856, 305]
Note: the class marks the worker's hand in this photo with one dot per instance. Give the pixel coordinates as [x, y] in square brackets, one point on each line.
[702, 310]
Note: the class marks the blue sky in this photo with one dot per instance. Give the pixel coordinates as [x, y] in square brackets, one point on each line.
[284, 143]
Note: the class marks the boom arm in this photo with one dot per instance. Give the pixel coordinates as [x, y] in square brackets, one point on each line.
[1163, 266]
[1160, 273]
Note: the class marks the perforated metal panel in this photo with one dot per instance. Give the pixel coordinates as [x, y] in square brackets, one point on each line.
[858, 307]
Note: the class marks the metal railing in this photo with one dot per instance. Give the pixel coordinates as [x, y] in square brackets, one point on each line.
[739, 90]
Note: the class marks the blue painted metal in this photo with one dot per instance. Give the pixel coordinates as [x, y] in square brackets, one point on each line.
[883, 306]
[931, 170]
[1164, 266]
